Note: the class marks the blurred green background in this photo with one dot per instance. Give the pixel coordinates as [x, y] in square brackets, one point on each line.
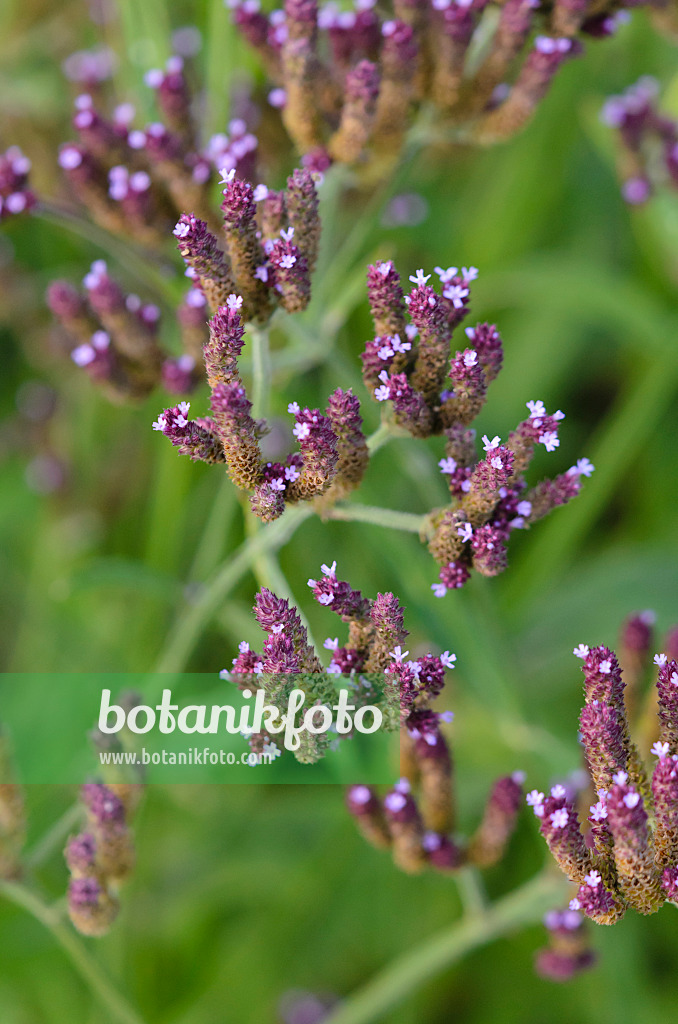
[109, 538]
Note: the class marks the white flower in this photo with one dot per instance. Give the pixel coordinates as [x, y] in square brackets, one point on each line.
[446, 275]
[287, 235]
[226, 175]
[448, 659]
[488, 445]
[550, 440]
[465, 531]
[534, 798]
[660, 749]
[329, 570]
[260, 193]
[419, 279]
[560, 818]
[447, 465]
[593, 879]
[234, 302]
[660, 659]
[537, 409]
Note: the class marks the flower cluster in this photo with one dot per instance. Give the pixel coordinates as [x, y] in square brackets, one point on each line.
[647, 138]
[568, 952]
[348, 81]
[628, 857]
[268, 257]
[271, 245]
[136, 182]
[288, 660]
[115, 337]
[15, 195]
[407, 367]
[332, 454]
[100, 857]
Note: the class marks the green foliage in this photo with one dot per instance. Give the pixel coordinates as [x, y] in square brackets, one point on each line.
[242, 894]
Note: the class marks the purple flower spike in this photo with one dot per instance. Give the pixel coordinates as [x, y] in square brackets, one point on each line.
[90, 907]
[489, 843]
[80, 855]
[410, 407]
[365, 808]
[339, 597]
[103, 805]
[358, 115]
[290, 273]
[318, 445]
[469, 389]
[452, 576]
[667, 692]
[603, 730]
[489, 550]
[275, 616]
[487, 343]
[596, 902]
[201, 252]
[559, 825]
[428, 314]
[238, 432]
[343, 413]
[196, 438]
[385, 296]
[639, 878]
[670, 883]
[226, 339]
[602, 678]
[443, 854]
[407, 832]
[665, 795]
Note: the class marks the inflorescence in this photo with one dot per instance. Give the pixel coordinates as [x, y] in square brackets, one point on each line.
[101, 857]
[647, 138]
[332, 451]
[349, 81]
[407, 367]
[419, 828]
[269, 241]
[627, 857]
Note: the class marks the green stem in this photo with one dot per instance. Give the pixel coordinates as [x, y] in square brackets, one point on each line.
[54, 836]
[84, 963]
[261, 371]
[389, 517]
[208, 553]
[408, 972]
[471, 891]
[192, 622]
[384, 433]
